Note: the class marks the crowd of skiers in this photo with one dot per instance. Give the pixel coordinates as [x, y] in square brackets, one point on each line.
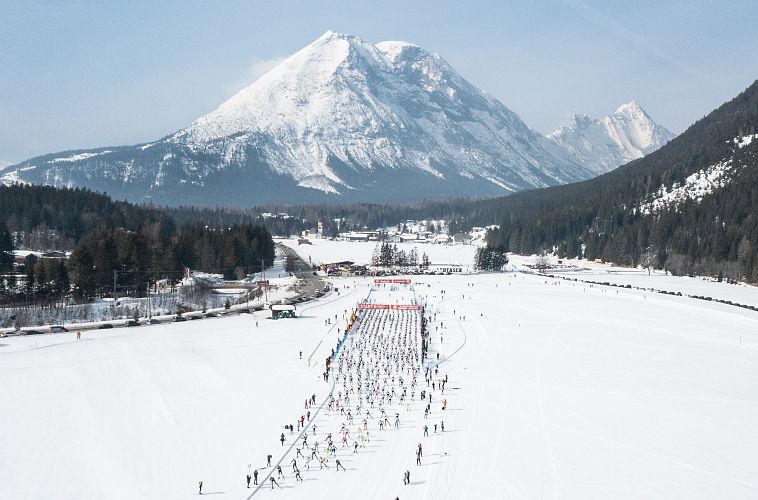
[378, 375]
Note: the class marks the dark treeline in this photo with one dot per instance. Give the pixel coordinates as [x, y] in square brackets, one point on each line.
[354, 216]
[715, 236]
[141, 244]
[149, 253]
[43, 217]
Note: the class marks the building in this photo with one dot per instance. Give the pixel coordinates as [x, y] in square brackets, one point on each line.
[359, 236]
[281, 311]
[461, 239]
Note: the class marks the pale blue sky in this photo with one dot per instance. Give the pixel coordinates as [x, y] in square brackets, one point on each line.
[77, 74]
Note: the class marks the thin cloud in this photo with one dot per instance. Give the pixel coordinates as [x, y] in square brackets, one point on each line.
[254, 70]
[615, 28]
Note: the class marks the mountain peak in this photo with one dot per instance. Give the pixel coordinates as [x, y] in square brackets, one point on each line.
[632, 109]
[630, 106]
[580, 121]
[625, 135]
[395, 47]
[329, 35]
[340, 117]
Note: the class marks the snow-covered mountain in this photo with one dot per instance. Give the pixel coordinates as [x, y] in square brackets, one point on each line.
[340, 120]
[602, 145]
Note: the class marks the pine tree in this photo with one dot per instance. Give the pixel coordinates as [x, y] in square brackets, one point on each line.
[6, 249]
[376, 257]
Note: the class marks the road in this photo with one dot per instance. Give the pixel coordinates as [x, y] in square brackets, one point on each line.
[309, 282]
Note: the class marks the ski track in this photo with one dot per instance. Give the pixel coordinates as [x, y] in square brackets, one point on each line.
[387, 438]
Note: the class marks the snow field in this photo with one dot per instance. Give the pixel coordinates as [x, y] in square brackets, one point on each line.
[556, 390]
[322, 250]
[583, 393]
[148, 412]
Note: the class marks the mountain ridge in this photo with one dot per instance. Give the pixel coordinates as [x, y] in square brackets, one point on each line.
[339, 120]
[602, 144]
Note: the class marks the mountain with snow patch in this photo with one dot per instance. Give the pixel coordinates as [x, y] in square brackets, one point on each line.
[340, 120]
[602, 145]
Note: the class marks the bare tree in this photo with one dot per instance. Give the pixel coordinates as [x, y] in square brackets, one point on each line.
[543, 262]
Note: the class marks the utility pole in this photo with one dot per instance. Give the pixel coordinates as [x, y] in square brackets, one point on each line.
[263, 278]
[149, 309]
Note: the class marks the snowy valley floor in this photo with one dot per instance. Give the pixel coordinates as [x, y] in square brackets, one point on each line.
[556, 390]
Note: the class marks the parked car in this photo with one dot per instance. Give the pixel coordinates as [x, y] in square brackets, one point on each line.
[33, 332]
[57, 329]
[178, 318]
[195, 316]
[211, 315]
[153, 321]
[132, 322]
[105, 326]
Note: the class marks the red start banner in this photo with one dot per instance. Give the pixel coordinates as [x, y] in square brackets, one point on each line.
[399, 281]
[400, 307]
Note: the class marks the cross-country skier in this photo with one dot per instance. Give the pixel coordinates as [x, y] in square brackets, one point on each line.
[340, 465]
[255, 476]
[268, 460]
[200, 488]
[248, 480]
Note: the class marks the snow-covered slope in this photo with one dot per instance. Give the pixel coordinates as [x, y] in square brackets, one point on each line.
[340, 119]
[602, 145]
[699, 184]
